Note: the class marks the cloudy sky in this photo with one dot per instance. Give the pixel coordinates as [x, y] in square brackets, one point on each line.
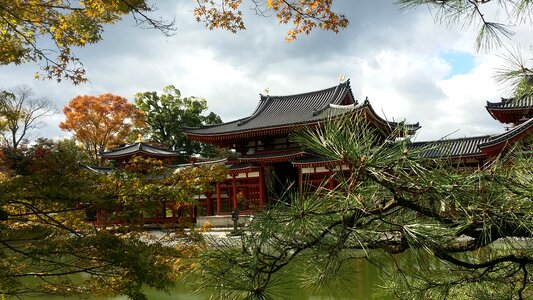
[409, 67]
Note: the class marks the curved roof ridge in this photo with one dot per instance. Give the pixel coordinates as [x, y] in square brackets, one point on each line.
[412, 127]
[521, 102]
[211, 125]
[346, 83]
[333, 97]
[516, 131]
[263, 104]
[444, 139]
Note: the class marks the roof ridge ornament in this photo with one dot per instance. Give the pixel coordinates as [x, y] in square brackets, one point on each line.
[139, 139]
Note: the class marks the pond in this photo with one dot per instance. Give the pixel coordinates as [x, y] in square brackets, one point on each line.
[366, 280]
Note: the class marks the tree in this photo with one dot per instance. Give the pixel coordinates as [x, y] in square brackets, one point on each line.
[305, 15]
[47, 247]
[26, 26]
[473, 13]
[101, 122]
[67, 24]
[21, 112]
[167, 113]
[390, 202]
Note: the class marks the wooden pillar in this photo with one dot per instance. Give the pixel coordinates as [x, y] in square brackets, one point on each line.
[234, 191]
[219, 199]
[208, 203]
[173, 215]
[98, 217]
[300, 183]
[261, 188]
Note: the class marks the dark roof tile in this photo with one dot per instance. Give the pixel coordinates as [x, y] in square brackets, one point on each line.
[137, 148]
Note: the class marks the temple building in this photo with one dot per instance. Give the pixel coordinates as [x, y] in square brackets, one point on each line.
[120, 156]
[268, 160]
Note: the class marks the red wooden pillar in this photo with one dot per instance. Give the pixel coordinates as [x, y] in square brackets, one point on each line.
[98, 217]
[261, 188]
[208, 196]
[191, 213]
[234, 191]
[174, 215]
[300, 183]
[219, 199]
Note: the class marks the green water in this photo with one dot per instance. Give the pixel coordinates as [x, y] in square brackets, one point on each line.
[364, 281]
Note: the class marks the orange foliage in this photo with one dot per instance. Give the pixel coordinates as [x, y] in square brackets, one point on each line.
[304, 15]
[101, 122]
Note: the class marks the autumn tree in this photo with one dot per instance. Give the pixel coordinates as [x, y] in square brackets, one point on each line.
[20, 112]
[26, 26]
[101, 122]
[389, 200]
[304, 16]
[47, 247]
[168, 112]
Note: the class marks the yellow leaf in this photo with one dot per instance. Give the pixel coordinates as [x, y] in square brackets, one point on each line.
[269, 4]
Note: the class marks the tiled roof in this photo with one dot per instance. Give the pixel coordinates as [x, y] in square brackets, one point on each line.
[513, 110]
[471, 146]
[138, 148]
[524, 128]
[452, 148]
[96, 169]
[202, 163]
[282, 113]
[512, 103]
[277, 111]
[314, 161]
[273, 156]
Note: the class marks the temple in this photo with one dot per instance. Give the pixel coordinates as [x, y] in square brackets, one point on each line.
[103, 216]
[268, 161]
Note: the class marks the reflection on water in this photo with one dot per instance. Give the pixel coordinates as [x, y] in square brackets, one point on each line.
[365, 279]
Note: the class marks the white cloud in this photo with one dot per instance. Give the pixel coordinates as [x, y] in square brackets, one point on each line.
[390, 56]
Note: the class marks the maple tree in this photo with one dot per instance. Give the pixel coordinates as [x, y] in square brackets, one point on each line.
[27, 26]
[303, 15]
[101, 122]
[47, 246]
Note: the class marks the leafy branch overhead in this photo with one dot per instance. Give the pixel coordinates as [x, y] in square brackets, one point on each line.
[483, 13]
[48, 31]
[303, 15]
[45, 31]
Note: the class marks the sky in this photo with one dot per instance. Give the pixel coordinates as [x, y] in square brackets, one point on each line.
[408, 66]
